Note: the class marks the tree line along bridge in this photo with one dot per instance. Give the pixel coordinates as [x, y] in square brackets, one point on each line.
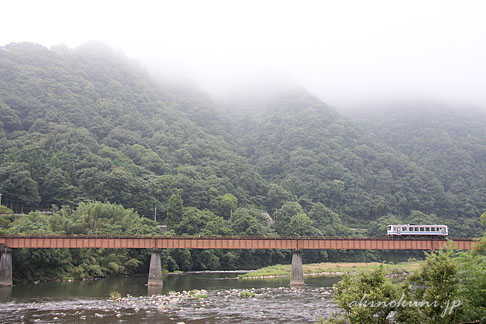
[297, 244]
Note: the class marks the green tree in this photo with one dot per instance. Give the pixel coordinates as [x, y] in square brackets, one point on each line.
[5, 210]
[87, 218]
[174, 209]
[228, 204]
[276, 197]
[56, 189]
[472, 287]
[183, 259]
[435, 284]
[301, 225]
[224, 205]
[418, 217]
[17, 186]
[206, 260]
[327, 222]
[9, 118]
[365, 298]
[379, 227]
[248, 223]
[195, 221]
[284, 215]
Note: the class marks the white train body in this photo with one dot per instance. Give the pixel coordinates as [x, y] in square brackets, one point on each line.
[417, 230]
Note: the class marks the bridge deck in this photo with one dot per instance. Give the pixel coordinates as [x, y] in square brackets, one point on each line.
[175, 242]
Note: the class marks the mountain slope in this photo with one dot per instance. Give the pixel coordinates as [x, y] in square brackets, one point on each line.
[319, 156]
[87, 124]
[449, 142]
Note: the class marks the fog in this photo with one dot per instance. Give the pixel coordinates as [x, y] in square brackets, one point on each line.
[346, 52]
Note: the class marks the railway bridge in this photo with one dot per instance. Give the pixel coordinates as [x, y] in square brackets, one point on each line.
[296, 244]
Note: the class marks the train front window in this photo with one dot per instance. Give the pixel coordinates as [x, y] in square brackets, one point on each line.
[389, 228]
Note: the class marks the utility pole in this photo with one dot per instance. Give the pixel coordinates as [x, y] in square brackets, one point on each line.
[1, 199]
[155, 213]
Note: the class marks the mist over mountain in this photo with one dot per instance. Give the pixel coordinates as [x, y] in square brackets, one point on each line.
[90, 124]
[449, 141]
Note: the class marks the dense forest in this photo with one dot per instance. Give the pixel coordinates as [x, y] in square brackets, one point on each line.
[86, 132]
[447, 142]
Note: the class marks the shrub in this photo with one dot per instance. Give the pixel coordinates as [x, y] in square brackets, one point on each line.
[247, 294]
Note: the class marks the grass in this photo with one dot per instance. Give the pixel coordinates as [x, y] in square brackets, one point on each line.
[329, 268]
[115, 295]
[198, 294]
[172, 272]
[247, 294]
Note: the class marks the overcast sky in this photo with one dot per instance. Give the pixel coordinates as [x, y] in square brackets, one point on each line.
[343, 51]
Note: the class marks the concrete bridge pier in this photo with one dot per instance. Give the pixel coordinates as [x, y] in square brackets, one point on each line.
[297, 274]
[154, 290]
[155, 270]
[5, 266]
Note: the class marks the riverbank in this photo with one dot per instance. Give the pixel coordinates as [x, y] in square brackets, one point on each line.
[330, 269]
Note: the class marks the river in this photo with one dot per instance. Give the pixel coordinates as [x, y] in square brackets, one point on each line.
[89, 301]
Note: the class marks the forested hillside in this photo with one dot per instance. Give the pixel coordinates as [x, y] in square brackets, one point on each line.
[87, 124]
[448, 142]
[79, 126]
[320, 157]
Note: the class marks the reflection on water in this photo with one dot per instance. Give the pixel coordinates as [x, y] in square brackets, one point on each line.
[5, 293]
[88, 301]
[154, 290]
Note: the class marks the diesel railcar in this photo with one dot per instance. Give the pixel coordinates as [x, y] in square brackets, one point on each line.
[413, 230]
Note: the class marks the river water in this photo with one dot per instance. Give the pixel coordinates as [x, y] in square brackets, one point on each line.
[89, 301]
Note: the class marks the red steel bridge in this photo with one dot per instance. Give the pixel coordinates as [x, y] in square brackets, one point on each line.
[190, 242]
[8, 242]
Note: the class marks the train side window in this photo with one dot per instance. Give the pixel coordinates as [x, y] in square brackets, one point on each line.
[416, 229]
[433, 229]
[427, 229]
[421, 229]
[404, 229]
